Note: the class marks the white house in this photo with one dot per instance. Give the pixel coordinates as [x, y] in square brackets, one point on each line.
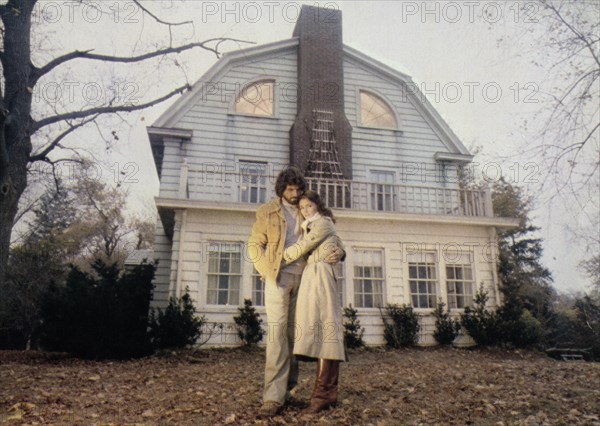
[368, 140]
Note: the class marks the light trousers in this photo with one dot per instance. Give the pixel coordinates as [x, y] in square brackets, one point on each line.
[281, 368]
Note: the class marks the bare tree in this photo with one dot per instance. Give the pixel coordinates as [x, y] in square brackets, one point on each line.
[562, 38]
[20, 75]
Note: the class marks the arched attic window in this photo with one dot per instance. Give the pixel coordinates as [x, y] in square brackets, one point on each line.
[375, 112]
[256, 98]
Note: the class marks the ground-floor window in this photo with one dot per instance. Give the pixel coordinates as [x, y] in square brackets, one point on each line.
[459, 283]
[422, 276]
[258, 289]
[368, 278]
[224, 273]
[341, 280]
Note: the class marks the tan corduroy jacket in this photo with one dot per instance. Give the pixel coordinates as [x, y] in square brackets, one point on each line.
[266, 243]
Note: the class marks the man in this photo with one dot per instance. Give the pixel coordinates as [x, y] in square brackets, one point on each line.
[277, 227]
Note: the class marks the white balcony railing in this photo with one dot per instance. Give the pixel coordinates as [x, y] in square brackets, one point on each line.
[251, 188]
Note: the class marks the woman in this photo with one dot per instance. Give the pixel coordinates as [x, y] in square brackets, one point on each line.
[319, 328]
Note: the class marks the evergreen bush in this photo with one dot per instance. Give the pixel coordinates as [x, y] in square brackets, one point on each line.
[480, 323]
[446, 328]
[353, 332]
[100, 315]
[401, 327]
[178, 326]
[248, 324]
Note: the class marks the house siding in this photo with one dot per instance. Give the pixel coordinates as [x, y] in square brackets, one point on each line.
[221, 138]
[412, 145]
[204, 227]
[162, 276]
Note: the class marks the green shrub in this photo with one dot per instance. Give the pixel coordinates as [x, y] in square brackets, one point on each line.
[527, 332]
[178, 325]
[100, 315]
[481, 324]
[353, 332]
[401, 327]
[446, 328]
[587, 310]
[248, 324]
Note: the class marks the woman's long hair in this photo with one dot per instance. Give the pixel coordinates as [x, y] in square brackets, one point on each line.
[321, 207]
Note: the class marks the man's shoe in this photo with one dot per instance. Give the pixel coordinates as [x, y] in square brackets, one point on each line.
[269, 409]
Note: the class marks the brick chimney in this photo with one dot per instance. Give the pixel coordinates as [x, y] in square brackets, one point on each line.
[321, 83]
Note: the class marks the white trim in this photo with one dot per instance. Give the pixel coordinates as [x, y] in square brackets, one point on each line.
[406, 283]
[384, 272]
[170, 132]
[206, 242]
[448, 156]
[500, 222]
[181, 253]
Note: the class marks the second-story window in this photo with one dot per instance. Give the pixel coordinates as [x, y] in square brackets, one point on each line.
[383, 193]
[256, 99]
[253, 182]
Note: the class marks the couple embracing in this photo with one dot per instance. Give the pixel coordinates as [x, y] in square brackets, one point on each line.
[298, 247]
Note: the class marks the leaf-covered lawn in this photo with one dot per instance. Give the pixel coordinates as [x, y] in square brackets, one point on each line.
[378, 387]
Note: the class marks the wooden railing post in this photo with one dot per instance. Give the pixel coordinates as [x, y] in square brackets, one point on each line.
[487, 201]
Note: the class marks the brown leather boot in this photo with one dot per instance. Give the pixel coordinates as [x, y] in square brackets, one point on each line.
[325, 391]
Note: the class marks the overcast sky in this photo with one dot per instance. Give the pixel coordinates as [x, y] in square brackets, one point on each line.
[484, 88]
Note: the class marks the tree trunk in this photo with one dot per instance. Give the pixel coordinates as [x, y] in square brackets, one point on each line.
[15, 137]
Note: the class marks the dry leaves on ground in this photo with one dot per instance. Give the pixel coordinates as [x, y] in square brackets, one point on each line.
[377, 387]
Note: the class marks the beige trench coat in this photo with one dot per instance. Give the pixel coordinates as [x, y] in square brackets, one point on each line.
[319, 329]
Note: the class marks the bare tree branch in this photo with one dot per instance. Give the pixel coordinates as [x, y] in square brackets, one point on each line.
[169, 24]
[42, 155]
[37, 73]
[104, 110]
[549, 5]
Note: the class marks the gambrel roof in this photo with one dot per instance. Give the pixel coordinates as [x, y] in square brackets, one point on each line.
[457, 151]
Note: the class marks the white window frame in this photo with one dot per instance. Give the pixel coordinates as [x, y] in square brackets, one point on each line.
[209, 274]
[386, 102]
[258, 80]
[422, 261]
[256, 292]
[383, 189]
[462, 260]
[247, 181]
[357, 253]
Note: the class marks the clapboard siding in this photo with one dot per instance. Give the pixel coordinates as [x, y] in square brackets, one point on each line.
[372, 149]
[221, 137]
[224, 138]
[205, 227]
[171, 168]
[162, 251]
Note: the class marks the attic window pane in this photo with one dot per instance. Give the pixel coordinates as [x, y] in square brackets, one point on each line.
[374, 112]
[256, 99]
